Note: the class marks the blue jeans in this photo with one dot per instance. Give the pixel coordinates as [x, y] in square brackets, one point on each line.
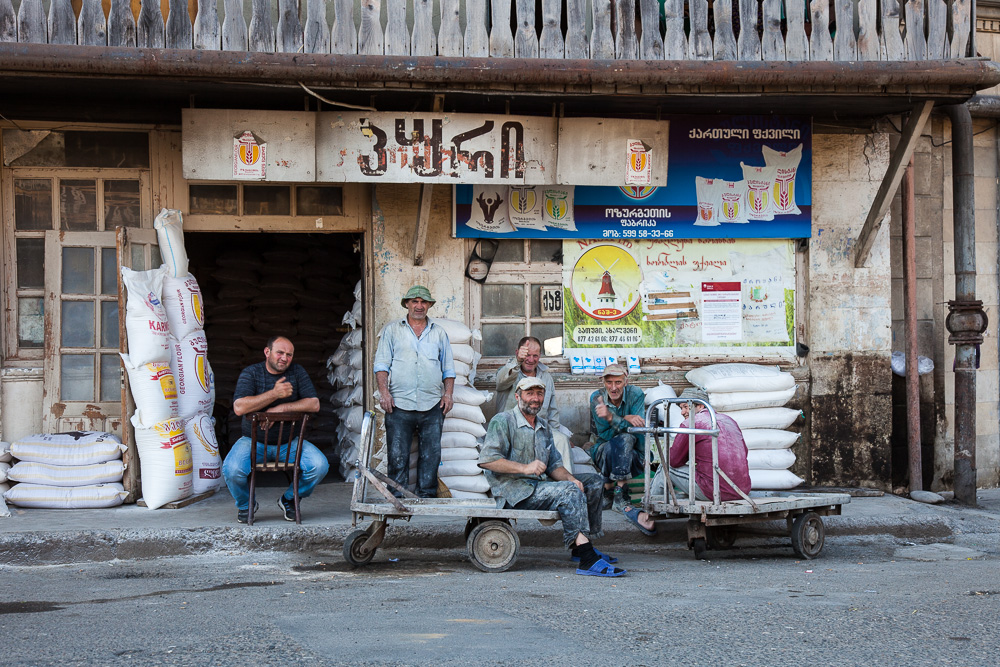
[400, 426]
[313, 467]
[619, 458]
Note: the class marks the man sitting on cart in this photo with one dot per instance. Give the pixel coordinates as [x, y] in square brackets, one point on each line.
[732, 453]
[525, 472]
[617, 454]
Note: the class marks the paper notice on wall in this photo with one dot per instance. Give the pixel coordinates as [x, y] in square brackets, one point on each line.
[639, 165]
[249, 156]
[721, 312]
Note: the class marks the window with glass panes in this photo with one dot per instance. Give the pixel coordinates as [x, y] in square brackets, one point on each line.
[73, 182]
[512, 300]
[281, 200]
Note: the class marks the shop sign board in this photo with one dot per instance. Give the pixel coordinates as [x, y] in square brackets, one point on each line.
[236, 144]
[489, 149]
[651, 296]
[722, 177]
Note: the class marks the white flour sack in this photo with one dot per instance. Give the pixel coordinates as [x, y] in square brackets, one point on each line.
[787, 165]
[4, 488]
[452, 439]
[153, 390]
[206, 464]
[774, 480]
[5, 452]
[463, 352]
[164, 463]
[489, 210]
[193, 375]
[732, 202]
[4, 467]
[458, 333]
[463, 426]
[472, 413]
[66, 497]
[466, 495]
[183, 303]
[760, 184]
[469, 483]
[456, 468]
[740, 377]
[708, 191]
[75, 448]
[769, 438]
[470, 395]
[44, 473]
[557, 207]
[770, 459]
[145, 318]
[748, 400]
[774, 418]
[170, 235]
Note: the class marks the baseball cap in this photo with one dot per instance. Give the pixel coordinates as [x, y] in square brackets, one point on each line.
[614, 369]
[529, 382]
[692, 392]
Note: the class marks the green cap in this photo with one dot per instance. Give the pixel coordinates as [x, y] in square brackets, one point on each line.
[417, 292]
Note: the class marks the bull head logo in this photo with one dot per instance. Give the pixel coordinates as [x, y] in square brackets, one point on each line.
[489, 206]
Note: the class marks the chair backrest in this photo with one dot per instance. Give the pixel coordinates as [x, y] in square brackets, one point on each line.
[280, 429]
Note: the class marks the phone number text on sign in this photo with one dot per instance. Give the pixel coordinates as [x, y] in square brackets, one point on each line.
[611, 335]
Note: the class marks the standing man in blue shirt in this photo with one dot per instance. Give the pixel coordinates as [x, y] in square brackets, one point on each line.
[415, 375]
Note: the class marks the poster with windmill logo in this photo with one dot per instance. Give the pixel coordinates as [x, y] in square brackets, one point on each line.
[648, 297]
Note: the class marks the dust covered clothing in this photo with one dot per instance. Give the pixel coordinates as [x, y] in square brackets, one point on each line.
[633, 403]
[255, 380]
[732, 455]
[511, 437]
[417, 365]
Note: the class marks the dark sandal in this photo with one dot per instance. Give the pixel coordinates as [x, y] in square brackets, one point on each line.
[602, 568]
[632, 515]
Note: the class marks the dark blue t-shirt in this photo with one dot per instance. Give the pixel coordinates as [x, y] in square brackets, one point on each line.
[255, 380]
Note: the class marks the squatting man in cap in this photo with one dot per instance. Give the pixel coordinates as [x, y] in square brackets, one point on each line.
[273, 385]
[732, 453]
[415, 373]
[617, 454]
[525, 363]
[525, 472]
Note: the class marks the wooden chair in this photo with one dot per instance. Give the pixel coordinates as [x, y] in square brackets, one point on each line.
[261, 430]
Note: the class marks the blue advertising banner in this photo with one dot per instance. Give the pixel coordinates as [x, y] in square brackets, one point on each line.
[727, 177]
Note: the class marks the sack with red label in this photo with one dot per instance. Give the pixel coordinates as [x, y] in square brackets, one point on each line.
[164, 463]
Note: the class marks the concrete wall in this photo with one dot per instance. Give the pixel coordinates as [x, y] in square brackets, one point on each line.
[849, 316]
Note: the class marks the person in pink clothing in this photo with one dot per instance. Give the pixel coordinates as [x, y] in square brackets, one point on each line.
[732, 453]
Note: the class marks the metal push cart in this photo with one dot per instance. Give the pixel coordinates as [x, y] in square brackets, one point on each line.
[711, 524]
[491, 540]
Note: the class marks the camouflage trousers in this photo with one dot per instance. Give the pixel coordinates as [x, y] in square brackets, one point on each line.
[579, 512]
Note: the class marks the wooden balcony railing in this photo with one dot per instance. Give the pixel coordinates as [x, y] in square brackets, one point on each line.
[768, 30]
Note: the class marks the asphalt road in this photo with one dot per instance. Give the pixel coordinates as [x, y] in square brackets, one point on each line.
[865, 601]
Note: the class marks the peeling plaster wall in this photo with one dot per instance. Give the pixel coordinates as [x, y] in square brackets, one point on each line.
[20, 402]
[394, 216]
[849, 317]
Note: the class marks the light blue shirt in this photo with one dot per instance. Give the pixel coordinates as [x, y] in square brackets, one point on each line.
[417, 365]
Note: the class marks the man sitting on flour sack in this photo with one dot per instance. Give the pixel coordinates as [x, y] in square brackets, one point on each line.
[525, 472]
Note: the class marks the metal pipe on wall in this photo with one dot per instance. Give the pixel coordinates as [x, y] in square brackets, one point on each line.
[966, 320]
[910, 314]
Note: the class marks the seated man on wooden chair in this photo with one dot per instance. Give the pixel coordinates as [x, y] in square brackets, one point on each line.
[273, 385]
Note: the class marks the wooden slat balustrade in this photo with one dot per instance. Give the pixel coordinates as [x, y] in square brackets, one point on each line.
[747, 30]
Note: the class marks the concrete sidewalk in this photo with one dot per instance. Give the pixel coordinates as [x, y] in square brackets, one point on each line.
[39, 537]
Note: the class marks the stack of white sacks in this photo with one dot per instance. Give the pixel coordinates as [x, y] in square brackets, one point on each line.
[5, 459]
[464, 427]
[754, 397]
[79, 470]
[170, 378]
[346, 375]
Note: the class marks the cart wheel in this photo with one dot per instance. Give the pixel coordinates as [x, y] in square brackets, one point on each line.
[493, 546]
[721, 537]
[699, 546]
[808, 534]
[352, 549]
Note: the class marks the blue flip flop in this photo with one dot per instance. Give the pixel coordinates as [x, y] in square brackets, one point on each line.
[610, 559]
[602, 568]
[632, 515]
